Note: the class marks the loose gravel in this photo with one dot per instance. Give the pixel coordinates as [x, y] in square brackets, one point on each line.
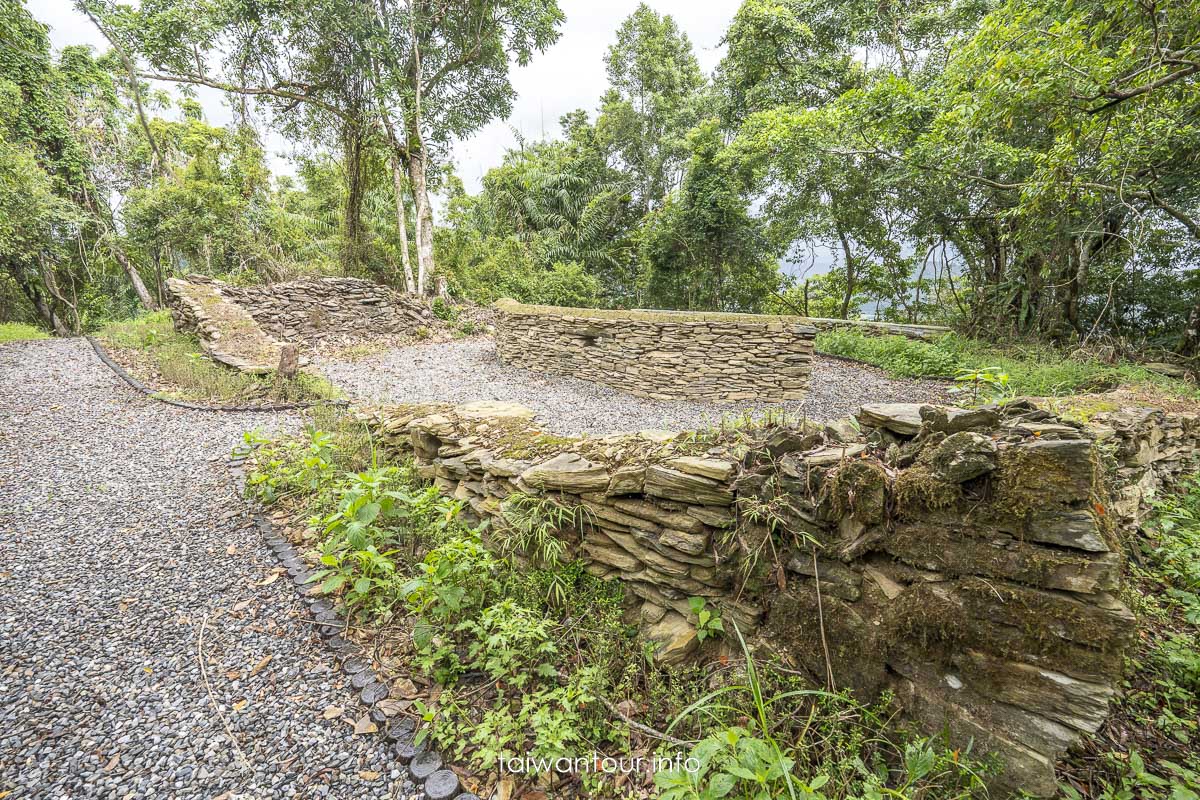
[145, 651]
[468, 370]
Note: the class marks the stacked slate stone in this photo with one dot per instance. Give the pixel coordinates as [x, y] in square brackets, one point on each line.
[648, 515]
[1151, 450]
[662, 355]
[322, 309]
[965, 560]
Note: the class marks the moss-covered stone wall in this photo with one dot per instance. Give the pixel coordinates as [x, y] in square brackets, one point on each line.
[967, 561]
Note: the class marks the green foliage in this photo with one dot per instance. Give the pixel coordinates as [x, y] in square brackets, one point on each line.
[288, 467]
[752, 760]
[443, 310]
[899, 355]
[1160, 706]
[708, 621]
[18, 331]
[988, 385]
[1132, 780]
[1032, 370]
[511, 644]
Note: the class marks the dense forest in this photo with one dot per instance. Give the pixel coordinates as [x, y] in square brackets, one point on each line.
[1027, 168]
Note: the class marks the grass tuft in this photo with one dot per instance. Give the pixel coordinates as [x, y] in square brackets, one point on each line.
[20, 332]
[150, 345]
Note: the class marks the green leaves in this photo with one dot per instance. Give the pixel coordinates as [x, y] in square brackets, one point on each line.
[708, 621]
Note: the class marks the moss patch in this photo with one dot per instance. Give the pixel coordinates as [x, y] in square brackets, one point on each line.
[917, 489]
[1029, 479]
[859, 488]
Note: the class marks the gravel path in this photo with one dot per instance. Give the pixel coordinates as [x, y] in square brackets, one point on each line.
[134, 622]
[469, 370]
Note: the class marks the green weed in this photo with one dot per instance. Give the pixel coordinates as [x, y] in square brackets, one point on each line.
[1034, 370]
[19, 331]
[189, 374]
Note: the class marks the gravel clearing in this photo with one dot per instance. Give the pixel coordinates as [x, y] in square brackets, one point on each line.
[137, 635]
[468, 370]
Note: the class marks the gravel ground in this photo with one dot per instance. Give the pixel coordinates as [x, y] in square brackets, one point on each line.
[468, 370]
[141, 654]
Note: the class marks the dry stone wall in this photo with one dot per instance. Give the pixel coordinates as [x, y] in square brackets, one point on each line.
[1147, 449]
[662, 355]
[967, 561]
[315, 309]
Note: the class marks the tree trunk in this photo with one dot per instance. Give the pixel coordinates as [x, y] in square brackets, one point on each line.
[352, 212]
[402, 225]
[850, 277]
[424, 215]
[1189, 343]
[39, 303]
[106, 222]
[417, 166]
[139, 287]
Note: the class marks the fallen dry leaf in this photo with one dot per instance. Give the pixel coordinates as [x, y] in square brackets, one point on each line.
[261, 665]
[368, 775]
[241, 605]
[267, 581]
[233, 674]
[333, 712]
[391, 707]
[113, 763]
[404, 687]
[232, 549]
[240, 704]
[364, 725]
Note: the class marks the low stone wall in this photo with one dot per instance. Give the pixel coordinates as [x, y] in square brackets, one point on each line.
[868, 326]
[964, 560]
[306, 311]
[1148, 449]
[662, 355]
[315, 309]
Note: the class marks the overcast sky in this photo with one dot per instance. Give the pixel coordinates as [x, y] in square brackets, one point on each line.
[569, 75]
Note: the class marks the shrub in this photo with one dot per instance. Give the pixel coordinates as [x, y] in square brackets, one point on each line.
[443, 310]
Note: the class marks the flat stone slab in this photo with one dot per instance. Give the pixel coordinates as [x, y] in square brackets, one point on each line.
[225, 329]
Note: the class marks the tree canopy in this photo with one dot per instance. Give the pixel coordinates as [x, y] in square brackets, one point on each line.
[1015, 166]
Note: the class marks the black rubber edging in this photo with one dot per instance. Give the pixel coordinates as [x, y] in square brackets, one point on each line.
[138, 386]
[424, 766]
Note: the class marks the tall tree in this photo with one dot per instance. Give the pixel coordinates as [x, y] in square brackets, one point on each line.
[652, 102]
[424, 72]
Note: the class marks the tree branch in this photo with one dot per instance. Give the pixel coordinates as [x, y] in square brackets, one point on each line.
[267, 91]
